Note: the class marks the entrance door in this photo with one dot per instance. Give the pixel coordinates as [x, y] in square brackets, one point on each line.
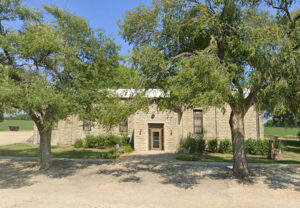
[156, 139]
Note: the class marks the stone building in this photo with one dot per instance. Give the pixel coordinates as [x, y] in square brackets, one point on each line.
[160, 130]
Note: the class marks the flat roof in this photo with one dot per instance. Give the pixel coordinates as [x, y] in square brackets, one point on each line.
[150, 93]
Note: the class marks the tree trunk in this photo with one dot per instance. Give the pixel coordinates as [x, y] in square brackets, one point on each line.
[45, 150]
[240, 164]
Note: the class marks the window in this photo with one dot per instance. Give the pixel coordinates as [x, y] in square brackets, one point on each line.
[198, 122]
[87, 125]
[123, 127]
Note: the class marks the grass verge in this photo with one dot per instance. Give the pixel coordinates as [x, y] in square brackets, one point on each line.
[216, 157]
[281, 131]
[290, 151]
[25, 150]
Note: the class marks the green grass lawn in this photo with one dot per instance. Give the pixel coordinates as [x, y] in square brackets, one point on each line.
[290, 150]
[281, 131]
[24, 125]
[26, 150]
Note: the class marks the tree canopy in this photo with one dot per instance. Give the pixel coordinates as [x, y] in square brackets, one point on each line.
[215, 53]
[54, 70]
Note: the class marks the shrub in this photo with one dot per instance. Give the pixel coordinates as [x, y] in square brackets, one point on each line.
[102, 142]
[84, 145]
[225, 146]
[91, 141]
[250, 146]
[128, 149]
[105, 141]
[113, 140]
[212, 145]
[78, 143]
[201, 145]
[256, 147]
[110, 155]
[181, 149]
[115, 155]
[262, 147]
[190, 144]
[125, 140]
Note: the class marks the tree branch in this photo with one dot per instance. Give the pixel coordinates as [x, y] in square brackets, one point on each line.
[177, 57]
[237, 84]
[9, 58]
[283, 8]
[182, 54]
[195, 1]
[250, 99]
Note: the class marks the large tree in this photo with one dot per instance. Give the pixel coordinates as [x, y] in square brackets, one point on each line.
[51, 67]
[11, 11]
[210, 53]
[284, 97]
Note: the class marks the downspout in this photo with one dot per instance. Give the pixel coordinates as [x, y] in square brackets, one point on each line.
[257, 125]
[181, 124]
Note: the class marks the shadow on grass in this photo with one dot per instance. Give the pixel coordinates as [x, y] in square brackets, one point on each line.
[228, 158]
[250, 159]
[83, 154]
[25, 150]
[291, 146]
[187, 175]
[215, 158]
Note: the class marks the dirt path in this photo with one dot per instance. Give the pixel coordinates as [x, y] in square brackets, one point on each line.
[145, 181]
[11, 137]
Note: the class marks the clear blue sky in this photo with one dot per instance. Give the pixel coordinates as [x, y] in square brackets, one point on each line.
[101, 13]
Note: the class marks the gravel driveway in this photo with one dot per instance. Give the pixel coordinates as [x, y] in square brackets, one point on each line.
[145, 181]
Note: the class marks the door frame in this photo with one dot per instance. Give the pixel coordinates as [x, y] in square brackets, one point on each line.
[152, 130]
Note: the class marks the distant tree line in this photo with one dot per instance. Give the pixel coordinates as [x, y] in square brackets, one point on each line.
[17, 117]
[287, 121]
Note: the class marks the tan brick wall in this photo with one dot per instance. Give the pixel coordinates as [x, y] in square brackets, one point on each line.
[187, 123]
[215, 119]
[250, 124]
[141, 134]
[261, 126]
[176, 127]
[71, 129]
[223, 127]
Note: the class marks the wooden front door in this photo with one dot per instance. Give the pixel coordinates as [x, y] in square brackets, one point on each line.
[156, 139]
